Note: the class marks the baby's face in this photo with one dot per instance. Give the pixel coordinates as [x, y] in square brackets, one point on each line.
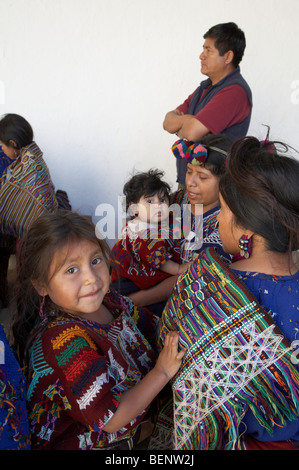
[152, 209]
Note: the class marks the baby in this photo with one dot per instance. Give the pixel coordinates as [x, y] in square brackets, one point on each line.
[148, 251]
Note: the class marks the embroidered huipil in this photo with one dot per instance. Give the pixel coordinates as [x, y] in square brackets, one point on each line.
[78, 372]
[141, 252]
[202, 228]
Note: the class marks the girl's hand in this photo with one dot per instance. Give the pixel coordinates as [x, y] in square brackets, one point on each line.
[135, 400]
[170, 360]
[184, 267]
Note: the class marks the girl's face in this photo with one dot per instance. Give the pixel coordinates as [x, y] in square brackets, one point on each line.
[9, 151]
[79, 278]
[152, 209]
[228, 230]
[202, 187]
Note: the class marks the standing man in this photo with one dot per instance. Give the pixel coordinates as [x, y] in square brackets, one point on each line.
[223, 102]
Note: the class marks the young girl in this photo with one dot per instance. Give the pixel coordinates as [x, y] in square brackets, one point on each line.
[147, 253]
[91, 372]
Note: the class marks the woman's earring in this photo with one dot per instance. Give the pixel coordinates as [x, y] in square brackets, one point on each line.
[41, 308]
[245, 246]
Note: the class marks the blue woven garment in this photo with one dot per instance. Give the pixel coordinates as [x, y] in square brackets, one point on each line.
[14, 429]
[5, 161]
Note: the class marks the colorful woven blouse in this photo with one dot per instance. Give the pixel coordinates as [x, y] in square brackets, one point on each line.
[5, 161]
[204, 228]
[26, 191]
[279, 295]
[78, 371]
[139, 254]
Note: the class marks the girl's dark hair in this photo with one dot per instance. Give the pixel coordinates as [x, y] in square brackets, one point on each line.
[49, 233]
[261, 189]
[16, 128]
[217, 145]
[145, 184]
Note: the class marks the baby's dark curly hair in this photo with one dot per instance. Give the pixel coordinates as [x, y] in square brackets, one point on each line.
[145, 184]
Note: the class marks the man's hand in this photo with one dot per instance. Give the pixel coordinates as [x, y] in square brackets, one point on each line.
[185, 126]
[174, 121]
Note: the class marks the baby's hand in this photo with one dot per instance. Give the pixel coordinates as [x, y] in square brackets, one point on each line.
[170, 360]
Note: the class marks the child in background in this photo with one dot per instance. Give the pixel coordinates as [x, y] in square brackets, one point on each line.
[7, 243]
[148, 252]
[92, 374]
[26, 189]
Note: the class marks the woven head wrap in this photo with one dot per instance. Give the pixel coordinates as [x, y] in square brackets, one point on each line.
[197, 153]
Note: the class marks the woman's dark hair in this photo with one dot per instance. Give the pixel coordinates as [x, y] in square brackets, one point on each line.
[218, 145]
[48, 234]
[228, 37]
[260, 187]
[16, 128]
[145, 184]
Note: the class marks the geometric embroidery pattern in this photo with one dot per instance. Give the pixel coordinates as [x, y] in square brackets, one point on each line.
[199, 393]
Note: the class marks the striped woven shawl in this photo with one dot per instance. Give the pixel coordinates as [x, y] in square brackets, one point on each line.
[236, 359]
[26, 191]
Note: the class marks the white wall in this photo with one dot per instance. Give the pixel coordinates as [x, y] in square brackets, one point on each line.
[96, 77]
